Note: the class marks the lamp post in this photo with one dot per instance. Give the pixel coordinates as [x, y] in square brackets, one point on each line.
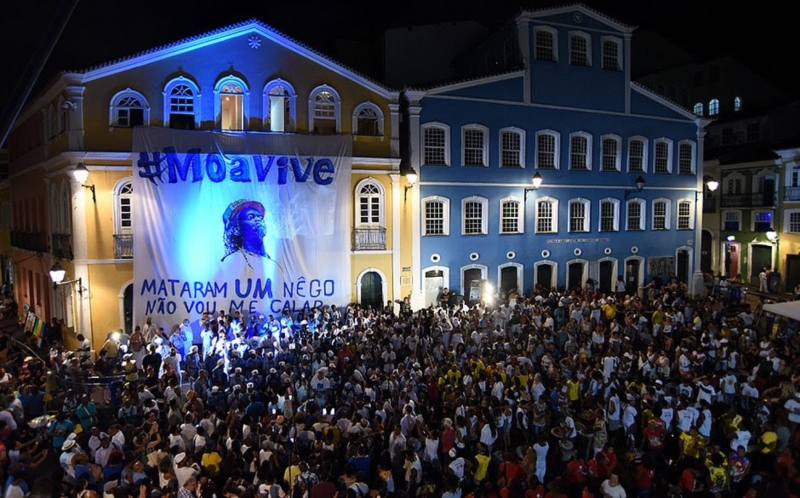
[81, 175]
[411, 180]
[728, 241]
[774, 237]
[536, 182]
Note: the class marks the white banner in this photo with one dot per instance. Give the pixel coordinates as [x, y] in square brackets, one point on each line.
[253, 222]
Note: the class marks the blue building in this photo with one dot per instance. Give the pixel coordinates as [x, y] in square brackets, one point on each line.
[619, 165]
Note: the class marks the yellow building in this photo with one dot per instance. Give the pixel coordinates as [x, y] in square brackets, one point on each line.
[244, 79]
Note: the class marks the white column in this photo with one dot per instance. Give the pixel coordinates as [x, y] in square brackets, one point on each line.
[80, 263]
[74, 95]
[396, 196]
[412, 201]
[394, 145]
[698, 288]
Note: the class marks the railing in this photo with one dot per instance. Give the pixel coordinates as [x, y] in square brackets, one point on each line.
[30, 241]
[123, 246]
[369, 239]
[757, 199]
[60, 246]
[791, 194]
[710, 205]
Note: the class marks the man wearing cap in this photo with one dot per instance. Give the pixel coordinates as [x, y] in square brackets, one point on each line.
[183, 470]
[245, 230]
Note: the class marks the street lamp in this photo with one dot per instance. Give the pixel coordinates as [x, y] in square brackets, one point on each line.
[411, 179]
[728, 242]
[81, 175]
[639, 187]
[57, 274]
[774, 237]
[536, 181]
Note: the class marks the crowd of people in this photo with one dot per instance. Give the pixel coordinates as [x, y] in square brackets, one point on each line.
[572, 394]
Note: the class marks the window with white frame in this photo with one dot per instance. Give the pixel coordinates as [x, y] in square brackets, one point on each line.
[474, 215]
[737, 104]
[546, 215]
[637, 154]
[547, 149]
[611, 153]
[123, 207]
[324, 105]
[685, 220]
[545, 44]
[579, 52]
[732, 221]
[579, 215]
[580, 151]
[734, 184]
[609, 215]
[510, 216]
[474, 145]
[370, 204]
[181, 104]
[368, 120]
[279, 106]
[686, 157]
[661, 214]
[128, 108]
[634, 220]
[512, 148]
[662, 160]
[231, 101]
[713, 107]
[698, 109]
[793, 221]
[611, 54]
[436, 211]
[762, 221]
[436, 144]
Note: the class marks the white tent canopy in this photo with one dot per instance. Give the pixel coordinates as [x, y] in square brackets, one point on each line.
[789, 310]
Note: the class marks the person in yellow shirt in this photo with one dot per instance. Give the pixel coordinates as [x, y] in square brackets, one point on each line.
[691, 444]
[573, 391]
[482, 460]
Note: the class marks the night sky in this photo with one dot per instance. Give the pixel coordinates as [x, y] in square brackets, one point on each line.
[101, 30]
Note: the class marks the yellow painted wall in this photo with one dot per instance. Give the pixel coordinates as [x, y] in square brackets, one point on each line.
[104, 287]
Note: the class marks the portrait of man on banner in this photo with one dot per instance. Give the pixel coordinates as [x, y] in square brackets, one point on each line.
[244, 230]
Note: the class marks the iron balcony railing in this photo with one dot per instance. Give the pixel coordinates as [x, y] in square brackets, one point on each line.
[60, 246]
[29, 241]
[791, 194]
[369, 239]
[123, 246]
[756, 199]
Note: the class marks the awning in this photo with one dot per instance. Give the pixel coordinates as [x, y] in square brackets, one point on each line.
[789, 310]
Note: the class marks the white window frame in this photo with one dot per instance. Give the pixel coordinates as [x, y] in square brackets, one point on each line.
[724, 219]
[337, 106]
[587, 215]
[446, 129]
[180, 80]
[554, 36]
[114, 107]
[554, 219]
[754, 214]
[642, 214]
[231, 80]
[618, 43]
[787, 220]
[730, 180]
[484, 202]
[521, 134]
[692, 156]
[737, 104]
[520, 215]
[699, 109]
[485, 146]
[615, 221]
[378, 114]
[122, 190]
[713, 107]
[445, 215]
[291, 96]
[645, 145]
[667, 214]
[678, 216]
[618, 158]
[381, 195]
[588, 53]
[668, 143]
[556, 153]
[589, 154]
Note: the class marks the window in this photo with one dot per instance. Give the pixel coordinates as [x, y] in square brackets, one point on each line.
[762, 221]
[661, 214]
[510, 216]
[686, 157]
[579, 215]
[546, 215]
[474, 145]
[579, 53]
[370, 204]
[662, 162]
[580, 151]
[637, 154]
[279, 107]
[512, 148]
[323, 110]
[611, 51]
[436, 144]
[732, 221]
[737, 104]
[713, 107]
[733, 184]
[793, 221]
[437, 215]
[474, 215]
[753, 131]
[231, 99]
[62, 107]
[685, 219]
[609, 215]
[181, 104]
[123, 207]
[698, 108]
[612, 156]
[545, 40]
[368, 120]
[547, 149]
[128, 108]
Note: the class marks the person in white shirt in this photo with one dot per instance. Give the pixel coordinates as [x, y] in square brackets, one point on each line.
[792, 406]
[611, 488]
[741, 438]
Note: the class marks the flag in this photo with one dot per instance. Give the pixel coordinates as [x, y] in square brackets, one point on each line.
[38, 326]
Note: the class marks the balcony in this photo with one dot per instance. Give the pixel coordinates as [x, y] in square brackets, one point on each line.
[123, 246]
[791, 194]
[369, 239]
[710, 205]
[757, 199]
[29, 241]
[60, 246]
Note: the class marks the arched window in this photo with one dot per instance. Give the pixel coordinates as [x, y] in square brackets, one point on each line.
[181, 104]
[635, 215]
[545, 45]
[435, 144]
[230, 103]
[698, 108]
[737, 104]
[323, 110]
[547, 215]
[474, 215]
[580, 53]
[685, 218]
[580, 151]
[279, 106]
[127, 109]
[662, 160]
[611, 53]
[511, 216]
[637, 155]
[661, 208]
[579, 215]
[474, 145]
[612, 153]
[123, 207]
[512, 148]
[547, 149]
[369, 199]
[686, 157]
[713, 107]
[609, 215]
[368, 120]
[436, 212]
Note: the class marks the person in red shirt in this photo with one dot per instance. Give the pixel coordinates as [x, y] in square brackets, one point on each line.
[511, 468]
[643, 475]
[653, 437]
[576, 475]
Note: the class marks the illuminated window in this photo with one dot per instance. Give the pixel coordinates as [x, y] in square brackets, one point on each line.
[474, 215]
[612, 155]
[609, 215]
[698, 108]
[662, 161]
[510, 216]
[661, 214]
[512, 148]
[686, 157]
[279, 107]
[370, 204]
[368, 120]
[123, 207]
[713, 107]
[546, 215]
[128, 109]
[762, 221]
[323, 108]
[579, 53]
[637, 154]
[793, 224]
[685, 219]
[737, 104]
[231, 107]
[611, 54]
[545, 44]
[635, 215]
[474, 145]
[580, 151]
[437, 216]
[579, 215]
[436, 144]
[181, 104]
[547, 149]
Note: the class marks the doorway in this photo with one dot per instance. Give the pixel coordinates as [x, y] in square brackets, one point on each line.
[682, 270]
[731, 258]
[632, 283]
[544, 277]
[372, 290]
[434, 284]
[761, 258]
[606, 276]
[472, 285]
[575, 275]
[508, 279]
[706, 243]
[792, 271]
[127, 308]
